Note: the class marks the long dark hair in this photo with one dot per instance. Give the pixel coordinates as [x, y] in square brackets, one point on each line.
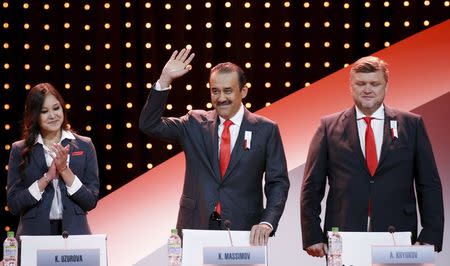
[33, 107]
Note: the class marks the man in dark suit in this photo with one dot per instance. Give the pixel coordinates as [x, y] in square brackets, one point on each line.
[376, 159]
[228, 152]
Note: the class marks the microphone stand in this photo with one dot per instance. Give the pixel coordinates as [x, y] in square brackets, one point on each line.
[227, 224]
[391, 230]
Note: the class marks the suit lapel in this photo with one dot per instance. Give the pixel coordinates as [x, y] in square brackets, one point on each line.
[38, 156]
[212, 143]
[248, 122]
[72, 146]
[389, 115]
[351, 134]
[70, 142]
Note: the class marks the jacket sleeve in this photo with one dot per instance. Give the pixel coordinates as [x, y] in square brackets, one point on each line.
[152, 123]
[313, 188]
[87, 196]
[429, 190]
[276, 179]
[18, 197]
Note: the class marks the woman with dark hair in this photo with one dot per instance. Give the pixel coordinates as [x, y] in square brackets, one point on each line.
[52, 172]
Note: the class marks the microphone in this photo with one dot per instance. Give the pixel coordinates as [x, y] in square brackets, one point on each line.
[65, 235]
[391, 230]
[227, 225]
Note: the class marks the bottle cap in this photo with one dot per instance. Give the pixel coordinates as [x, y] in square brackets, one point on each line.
[174, 231]
[10, 233]
[334, 229]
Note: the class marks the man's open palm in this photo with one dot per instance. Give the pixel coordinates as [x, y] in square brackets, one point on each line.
[177, 66]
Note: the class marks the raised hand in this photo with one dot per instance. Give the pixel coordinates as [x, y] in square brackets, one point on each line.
[177, 66]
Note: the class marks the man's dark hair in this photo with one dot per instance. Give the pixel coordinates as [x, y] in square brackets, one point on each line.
[229, 67]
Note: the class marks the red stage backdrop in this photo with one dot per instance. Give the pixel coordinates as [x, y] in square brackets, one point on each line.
[147, 207]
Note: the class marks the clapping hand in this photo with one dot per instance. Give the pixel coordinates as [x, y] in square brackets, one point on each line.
[51, 173]
[60, 156]
[177, 66]
[48, 177]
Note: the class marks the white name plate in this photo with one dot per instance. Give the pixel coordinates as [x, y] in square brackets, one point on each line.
[247, 255]
[403, 255]
[66, 257]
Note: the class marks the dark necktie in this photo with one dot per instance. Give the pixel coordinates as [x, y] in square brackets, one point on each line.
[225, 153]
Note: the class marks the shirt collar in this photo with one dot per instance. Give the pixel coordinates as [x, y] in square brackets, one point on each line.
[378, 114]
[237, 118]
[64, 135]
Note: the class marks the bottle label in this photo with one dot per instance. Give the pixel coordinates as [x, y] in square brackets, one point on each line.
[175, 249]
[9, 251]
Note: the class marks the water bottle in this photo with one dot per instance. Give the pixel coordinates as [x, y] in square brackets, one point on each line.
[10, 250]
[174, 248]
[334, 247]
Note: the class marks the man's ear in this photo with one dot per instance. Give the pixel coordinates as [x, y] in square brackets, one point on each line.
[244, 91]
